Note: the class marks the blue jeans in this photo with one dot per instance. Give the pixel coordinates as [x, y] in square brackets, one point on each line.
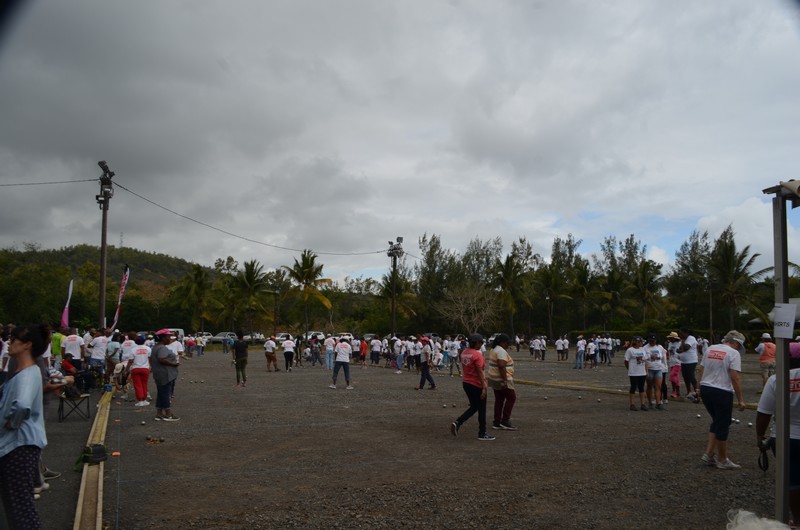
[579, 360]
[399, 361]
[346, 366]
[329, 359]
[164, 395]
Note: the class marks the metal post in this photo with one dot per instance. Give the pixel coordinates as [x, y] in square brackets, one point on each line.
[106, 192]
[395, 251]
[782, 367]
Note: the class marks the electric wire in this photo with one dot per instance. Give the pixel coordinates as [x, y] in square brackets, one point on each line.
[44, 183]
[243, 238]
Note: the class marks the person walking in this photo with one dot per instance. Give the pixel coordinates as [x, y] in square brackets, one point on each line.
[22, 433]
[766, 357]
[239, 358]
[687, 354]
[474, 383]
[164, 364]
[501, 379]
[719, 382]
[269, 353]
[343, 350]
[425, 359]
[139, 369]
[288, 353]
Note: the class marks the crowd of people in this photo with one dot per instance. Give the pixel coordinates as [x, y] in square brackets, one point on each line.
[37, 364]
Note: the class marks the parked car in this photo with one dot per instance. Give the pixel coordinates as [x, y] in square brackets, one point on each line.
[345, 335]
[320, 336]
[369, 336]
[222, 335]
[206, 335]
[254, 337]
[280, 337]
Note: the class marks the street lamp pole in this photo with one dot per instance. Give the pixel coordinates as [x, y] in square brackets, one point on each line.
[395, 251]
[103, 198]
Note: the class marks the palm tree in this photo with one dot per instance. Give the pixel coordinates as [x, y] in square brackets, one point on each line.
[647, 285]
[730, 273]
[306, 274]
[618, 294]
[250, 288]
[509, 276]
[550, 283]
[193, 293]
[586, 286]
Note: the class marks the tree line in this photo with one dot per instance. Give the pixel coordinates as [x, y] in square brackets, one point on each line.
[712, 285]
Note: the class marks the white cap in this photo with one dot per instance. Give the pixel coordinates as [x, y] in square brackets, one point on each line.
[766, 336]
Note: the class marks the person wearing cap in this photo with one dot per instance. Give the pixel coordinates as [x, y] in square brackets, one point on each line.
[474, 383]
[239, 354]
[766, 357]
[580, 350]
[719, 381]
[674, 364]
[165, 371]
[766, 410]
[425, 359]
[501, 379]
[343, 351]
[654, 359]
[636, 365]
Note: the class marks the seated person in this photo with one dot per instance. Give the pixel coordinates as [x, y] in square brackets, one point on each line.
[83, 378]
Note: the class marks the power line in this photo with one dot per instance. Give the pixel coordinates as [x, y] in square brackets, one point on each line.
[243, 238]
[44, 183]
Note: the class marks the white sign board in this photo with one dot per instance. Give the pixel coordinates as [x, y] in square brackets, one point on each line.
[784, 315]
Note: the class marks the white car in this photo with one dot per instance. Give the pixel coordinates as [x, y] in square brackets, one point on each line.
[280, 337]
[320, 336]
[346, 335]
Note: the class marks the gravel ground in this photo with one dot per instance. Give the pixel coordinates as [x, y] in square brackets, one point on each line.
[288, 452]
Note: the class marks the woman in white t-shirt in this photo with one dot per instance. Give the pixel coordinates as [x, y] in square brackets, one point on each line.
[719, 381]
[656, 354]
[637, 371]
[674, 364]
[139, 368]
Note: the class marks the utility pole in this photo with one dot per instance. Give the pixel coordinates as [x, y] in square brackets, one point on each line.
[106, 192]
[395, 251]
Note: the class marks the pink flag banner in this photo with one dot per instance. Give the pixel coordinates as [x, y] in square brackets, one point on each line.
[122, 286]
[65, 313]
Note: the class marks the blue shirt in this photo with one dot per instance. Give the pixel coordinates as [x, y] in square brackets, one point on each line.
[22, 409]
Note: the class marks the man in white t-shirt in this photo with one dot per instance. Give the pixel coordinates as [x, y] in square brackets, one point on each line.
[687, 354]
[269, 353]
[565, 347]
[580, 350]
[375, 353]
[330, 346]
[719, 382]
[342, 350]
[73, 343]
[399, 347]
[97, 358]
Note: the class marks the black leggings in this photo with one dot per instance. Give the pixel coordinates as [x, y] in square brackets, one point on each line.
[476, 404]
[689, 377]
[637, 383]
[288, 356]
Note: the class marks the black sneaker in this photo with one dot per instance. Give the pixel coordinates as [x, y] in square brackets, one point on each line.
[454, 428]
[170, 418]
[507, 425]
[496, 426]
[49, 474]
[486, 437]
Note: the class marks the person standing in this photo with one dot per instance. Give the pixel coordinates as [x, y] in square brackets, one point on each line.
[674, 364]
[399, 347]
[343, 350]
[580, 349]
[475, 386]
[97, 358]
[637, 371]
[453, 348]
[139, 368]
[239, 358]
[766, 357]
[55, 348]
[719, 382]
[330, 347]
[425, 360]
[766, 410]
[288, 353]
[687, 354]
[654, 359]
[269, 353]
[501, 379]
[22, 433]
[376, 345]
[73, 343]
[165, 371]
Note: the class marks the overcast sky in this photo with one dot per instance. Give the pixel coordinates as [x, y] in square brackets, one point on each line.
[339, 125]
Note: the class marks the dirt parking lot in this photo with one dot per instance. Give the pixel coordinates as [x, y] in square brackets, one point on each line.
[288, 452]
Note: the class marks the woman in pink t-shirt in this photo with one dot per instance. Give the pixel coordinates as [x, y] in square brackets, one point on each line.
[474, 382]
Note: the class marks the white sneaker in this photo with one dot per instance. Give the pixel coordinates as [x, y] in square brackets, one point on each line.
[399, 372]
[349, 387]
[332, 386]
[727, 464]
